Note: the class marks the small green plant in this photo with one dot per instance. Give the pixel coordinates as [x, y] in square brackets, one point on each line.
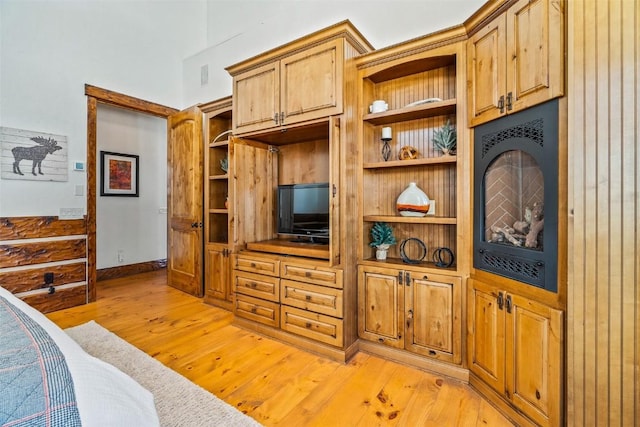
[382, 234]
[445, 139]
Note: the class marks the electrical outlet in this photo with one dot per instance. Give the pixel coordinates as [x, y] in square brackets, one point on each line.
[48, 278]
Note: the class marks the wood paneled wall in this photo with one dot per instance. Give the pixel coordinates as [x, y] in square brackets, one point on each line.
[33, 246]
[604, 213]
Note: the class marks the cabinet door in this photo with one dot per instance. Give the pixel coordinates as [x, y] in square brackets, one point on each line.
[486, 68]
[534, 359]
[535, 60]
[253, 184]
[217, 274]
[311, 83]
[433, 312]
[486, 335]
[381, 305]
[256, 98]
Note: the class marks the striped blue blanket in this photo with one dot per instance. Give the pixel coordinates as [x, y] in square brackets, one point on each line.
[36, 388]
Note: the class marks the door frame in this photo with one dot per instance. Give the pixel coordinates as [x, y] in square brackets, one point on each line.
[95, 96]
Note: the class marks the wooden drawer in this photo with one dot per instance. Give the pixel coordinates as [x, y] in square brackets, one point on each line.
[316, 326]
[257, 285]
[63, 297]
[257, 310]
[311, 297]
[256, 264]
[310, 273]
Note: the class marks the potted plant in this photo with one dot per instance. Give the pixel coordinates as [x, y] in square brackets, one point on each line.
[381, 238]
[445, 139]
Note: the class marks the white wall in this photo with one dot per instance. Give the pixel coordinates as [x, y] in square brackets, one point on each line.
[133, 225]
[241, 29]
[50, 49]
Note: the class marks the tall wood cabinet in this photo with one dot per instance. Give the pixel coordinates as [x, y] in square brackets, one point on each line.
[515, 348]
[515, 340]
[516, 60]
[289, 128]
[218, 202]
[423, 83]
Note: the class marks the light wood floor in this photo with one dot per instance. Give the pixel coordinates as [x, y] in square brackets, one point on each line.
[273, 382]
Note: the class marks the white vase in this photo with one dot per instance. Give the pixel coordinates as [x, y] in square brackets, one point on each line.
[413, 201]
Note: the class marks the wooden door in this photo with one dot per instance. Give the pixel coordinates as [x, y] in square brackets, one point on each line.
[433, 311]
[381, 305]
[535, 53]
[185, 169]
[254, 192]
[486, 344]
[256, 99]
[311, 83]
[486, 52]
[534, 336]
[218, 282]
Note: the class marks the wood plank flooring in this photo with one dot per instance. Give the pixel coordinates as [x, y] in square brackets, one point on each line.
[274, 383]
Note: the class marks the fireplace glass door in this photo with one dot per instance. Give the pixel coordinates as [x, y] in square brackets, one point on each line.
[516, 196]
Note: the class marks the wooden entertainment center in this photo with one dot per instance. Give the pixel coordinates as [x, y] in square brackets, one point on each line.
[299, 113]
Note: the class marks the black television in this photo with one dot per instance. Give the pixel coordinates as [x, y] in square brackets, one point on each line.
[303, 211]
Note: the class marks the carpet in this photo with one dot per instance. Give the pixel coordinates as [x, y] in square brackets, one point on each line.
[179, 402]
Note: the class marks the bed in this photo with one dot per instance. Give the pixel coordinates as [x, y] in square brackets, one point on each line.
[46, 379]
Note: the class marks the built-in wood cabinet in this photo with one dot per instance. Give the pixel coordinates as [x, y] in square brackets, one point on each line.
[411, 310]
[407, 302]
[300, 81]
[271, 96]
[516, 60]
[218, 202]
[515, 348]
[290, 128]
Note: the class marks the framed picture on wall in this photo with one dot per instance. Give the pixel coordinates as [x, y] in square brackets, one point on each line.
[119, 174]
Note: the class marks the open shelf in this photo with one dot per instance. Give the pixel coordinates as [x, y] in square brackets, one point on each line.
[398, 115]
[414, 162]
[411, 219]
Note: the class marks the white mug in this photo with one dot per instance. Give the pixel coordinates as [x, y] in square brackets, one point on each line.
[378, 106]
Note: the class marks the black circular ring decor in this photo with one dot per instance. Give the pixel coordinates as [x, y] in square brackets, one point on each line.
[420, 244]
[441, 255]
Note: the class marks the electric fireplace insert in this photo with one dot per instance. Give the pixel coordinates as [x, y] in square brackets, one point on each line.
[516, 196]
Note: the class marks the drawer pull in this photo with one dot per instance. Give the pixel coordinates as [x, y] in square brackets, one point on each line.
[307, 274]
[254, 310]
[253, 265]
[52, 290]
[307, 297]
[380, 340]
[307, 325]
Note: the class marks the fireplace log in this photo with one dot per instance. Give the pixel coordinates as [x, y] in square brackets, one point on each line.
[508, 234]
[537, 224]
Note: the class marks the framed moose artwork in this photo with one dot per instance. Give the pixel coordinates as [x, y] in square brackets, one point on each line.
[34, 156]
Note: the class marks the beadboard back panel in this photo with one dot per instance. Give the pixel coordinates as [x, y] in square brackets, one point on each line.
[603, 327]
[43, 260]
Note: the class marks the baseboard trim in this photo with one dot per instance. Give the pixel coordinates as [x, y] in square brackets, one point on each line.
[130, 269]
